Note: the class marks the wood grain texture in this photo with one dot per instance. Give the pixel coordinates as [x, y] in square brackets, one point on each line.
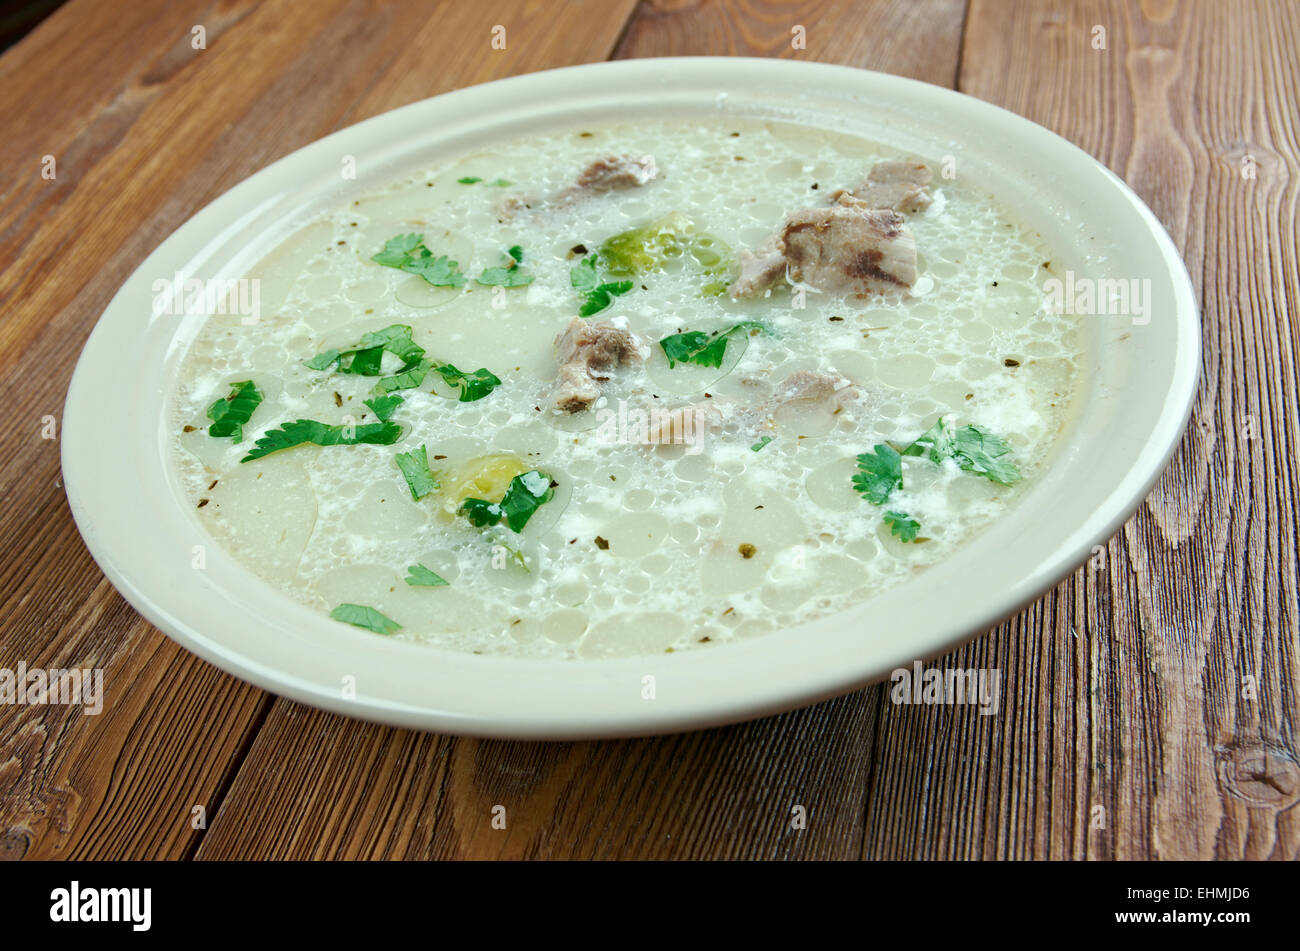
[920, 39]
[145, 130]
[1123, 689]
[1150, 715]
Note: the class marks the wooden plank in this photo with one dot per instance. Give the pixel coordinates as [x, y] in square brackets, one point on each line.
[318, 785]
[143, 136]
[921, 39]
[1145, 713]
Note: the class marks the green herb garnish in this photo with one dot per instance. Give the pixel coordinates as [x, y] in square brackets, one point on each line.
[902, 526]
[762, 441]
[973, 448]
[422, 577]
[230, 413]
[384, 406]
[596, 295]
[508, 275]
[879, 473]
[472, 386]
[408, 378]
[524, 496]
[308, 431]
[358, 615]
[415, 467]
[367, 355]
[407, 252]
[469, 180]
[703, 349]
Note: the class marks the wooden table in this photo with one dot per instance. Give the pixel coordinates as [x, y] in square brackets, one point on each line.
[1151, 703]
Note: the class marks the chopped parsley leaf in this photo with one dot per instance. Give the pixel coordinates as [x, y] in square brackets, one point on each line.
[422, 577]
[230, 413]
[879, 473]
[973, 448]
[703, 349]
[384, 406]
[469, 180]
[902, 526]
[407, 378]
[367, 356]
[358, 615]
[304, 431]
[596, 295]
[472, 386]
[524, 496]
[762, 441]
[509, 274]
[415, 467]
[407, 252]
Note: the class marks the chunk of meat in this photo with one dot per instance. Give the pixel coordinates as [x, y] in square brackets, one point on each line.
[820, 389]
[850, 248]
[686, 424]
[617, 171]
[608, 174]
[589, 351]
[759, 270]
[898, 186]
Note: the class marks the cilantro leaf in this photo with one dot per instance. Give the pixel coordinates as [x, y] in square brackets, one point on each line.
[902, 526]
[400, 251]
[367, 356]
[509, 274]
[524, 496]
[358, 615]
[324, 360]
[977, 450]
[973, 448]
[396, 339]
[596, 295]
[366, 362]
[472, 386]
[583, 275]
[407, 378]
[384, 406]
[420, 576]
[762, 442]
[934, 442]
[439, 272]
[700, 348]
[304, 431]
[407, 252]
[480, 512]
[230, 413]
[469, 180]
[415, 467]
[879, 473]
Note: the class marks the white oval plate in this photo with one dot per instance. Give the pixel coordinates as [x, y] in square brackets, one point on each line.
[1142, 379]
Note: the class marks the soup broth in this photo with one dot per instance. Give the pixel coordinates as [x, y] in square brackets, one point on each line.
[745, 463]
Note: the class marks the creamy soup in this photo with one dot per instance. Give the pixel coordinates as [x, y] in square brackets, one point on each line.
[628, 389]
